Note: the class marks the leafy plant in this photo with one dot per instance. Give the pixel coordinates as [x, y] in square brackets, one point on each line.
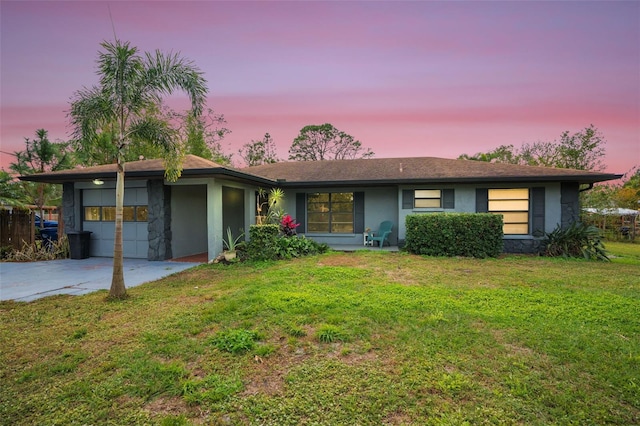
[577, 240]
[230, 243]
[298, 246]
[288, 226]
[235, 341]
[330, 333]
[268, 206]
[266, 244]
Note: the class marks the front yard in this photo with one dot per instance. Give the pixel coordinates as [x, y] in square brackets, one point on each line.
[342, 338]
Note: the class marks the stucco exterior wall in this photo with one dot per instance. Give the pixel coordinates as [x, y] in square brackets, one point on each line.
[379, 205]
[188, 220]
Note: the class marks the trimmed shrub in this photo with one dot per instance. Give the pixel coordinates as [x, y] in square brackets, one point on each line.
[454, 234]
[578, 240]
[262, 242]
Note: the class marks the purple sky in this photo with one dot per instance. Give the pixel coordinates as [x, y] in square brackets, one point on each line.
[405, 78]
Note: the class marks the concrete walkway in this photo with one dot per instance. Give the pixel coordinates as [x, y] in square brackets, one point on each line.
[29, 281]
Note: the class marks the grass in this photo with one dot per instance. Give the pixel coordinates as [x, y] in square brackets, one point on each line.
[342, 338]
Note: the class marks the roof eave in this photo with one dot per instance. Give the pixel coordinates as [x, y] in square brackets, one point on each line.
[449, 180]
[150, 174]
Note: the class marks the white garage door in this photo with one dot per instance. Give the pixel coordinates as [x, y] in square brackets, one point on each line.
[98, 209]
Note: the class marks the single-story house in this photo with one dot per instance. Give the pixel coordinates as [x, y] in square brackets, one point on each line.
[334, 201]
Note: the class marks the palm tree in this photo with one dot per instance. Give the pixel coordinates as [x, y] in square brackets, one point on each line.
[130, 86]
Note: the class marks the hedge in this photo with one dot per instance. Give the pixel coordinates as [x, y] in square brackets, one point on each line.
[454, 234]
[262, 242]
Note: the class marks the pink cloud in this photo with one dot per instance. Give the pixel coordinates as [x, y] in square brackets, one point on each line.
[406, 78]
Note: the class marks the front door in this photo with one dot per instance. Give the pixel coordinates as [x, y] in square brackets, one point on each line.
[233, 211]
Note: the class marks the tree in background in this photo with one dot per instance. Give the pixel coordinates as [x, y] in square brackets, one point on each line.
[502, 154]
[583, 150]
[259, 152]
[325, 142]
[11, 191]
[130, 90]
[41, 155]
[628, 194]
[101, 149]
[607, 196]
[201, 135]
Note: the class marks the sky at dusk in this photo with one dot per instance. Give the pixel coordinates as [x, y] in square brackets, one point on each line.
[405, 78]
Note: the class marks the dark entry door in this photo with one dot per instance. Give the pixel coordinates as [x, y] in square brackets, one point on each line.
[232, 211]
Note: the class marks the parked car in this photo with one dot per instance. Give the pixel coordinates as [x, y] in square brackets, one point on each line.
[48, 229]
[46, 224]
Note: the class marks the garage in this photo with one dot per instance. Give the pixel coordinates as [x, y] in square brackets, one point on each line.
[98, 210]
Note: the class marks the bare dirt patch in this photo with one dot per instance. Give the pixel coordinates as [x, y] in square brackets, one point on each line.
[167, 405]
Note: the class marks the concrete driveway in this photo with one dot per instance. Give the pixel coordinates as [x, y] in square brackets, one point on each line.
[32, 280]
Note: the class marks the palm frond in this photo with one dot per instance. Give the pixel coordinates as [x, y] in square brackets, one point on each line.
[154, 130]
[90, 111]
[168, 72]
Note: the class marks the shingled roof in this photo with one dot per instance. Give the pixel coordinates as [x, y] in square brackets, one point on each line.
[380, 171]
[192, 166]
[374, 171]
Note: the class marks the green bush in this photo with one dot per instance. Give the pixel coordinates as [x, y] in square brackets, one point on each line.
[262, 242]
[455, 234]
[297, 246]
[267, 244]
[577, 240]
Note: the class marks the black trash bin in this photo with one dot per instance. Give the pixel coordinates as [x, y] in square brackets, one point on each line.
[79, 244]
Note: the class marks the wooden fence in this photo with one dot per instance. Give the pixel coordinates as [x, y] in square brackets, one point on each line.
[17, 227]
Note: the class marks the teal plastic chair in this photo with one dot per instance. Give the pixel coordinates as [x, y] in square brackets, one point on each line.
[382, 234]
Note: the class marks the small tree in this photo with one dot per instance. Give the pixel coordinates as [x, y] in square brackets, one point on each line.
[202, 135]
[130, 90]
[325, 142]
[259, 152]
[41, 155]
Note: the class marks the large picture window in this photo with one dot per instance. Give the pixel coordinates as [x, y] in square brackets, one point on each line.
[330, 212]
[513, 205]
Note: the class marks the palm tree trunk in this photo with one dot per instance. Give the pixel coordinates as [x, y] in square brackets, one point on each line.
[118, 290]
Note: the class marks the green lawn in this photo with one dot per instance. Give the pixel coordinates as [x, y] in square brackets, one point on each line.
[342, 338]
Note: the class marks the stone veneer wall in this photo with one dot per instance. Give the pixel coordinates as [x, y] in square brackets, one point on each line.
[159, 218]
[529, 245]
[69, 207]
